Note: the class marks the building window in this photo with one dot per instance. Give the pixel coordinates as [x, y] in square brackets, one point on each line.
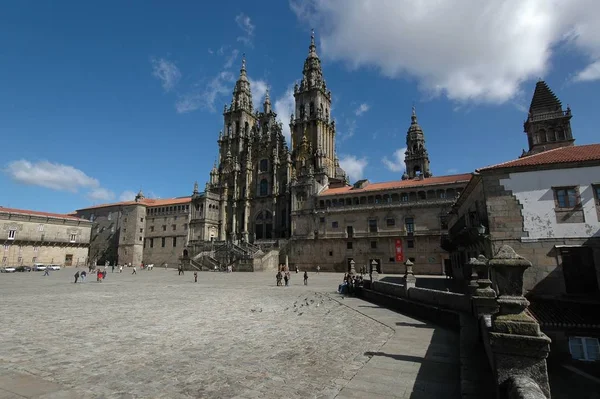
[444, 222]
[330, 253]
[35, 249]
[185, 226]
[264, 187]
[41, 227]
[596, 188]
[140, 239]
[392, 260]
[152, 243]
[151, 228]
[390, 222]
[174, 242]
[334, 225]
[4, 258]
[372, 225]
[34, 259]
[162, 244]
[410, 225]
[73, 238]
[350, 231]
[125, 220]
[164, 227]
[410, 243]
[124, 230]
[373, 244]
[404, 197]
[174, 227]
[12, 234]
[566, 197]
[141, 230]
[321, 220]
[264, 165]
[142, 220]
[20, 259]
[584, 348]
[349, 245]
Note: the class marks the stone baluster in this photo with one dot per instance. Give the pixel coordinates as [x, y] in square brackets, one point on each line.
[410, 281]
[518, 346]
[483, 296]
[472, 263]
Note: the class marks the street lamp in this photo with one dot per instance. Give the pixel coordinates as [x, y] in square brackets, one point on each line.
[352, 271]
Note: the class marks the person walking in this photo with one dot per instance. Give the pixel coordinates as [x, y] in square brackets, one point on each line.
[195, 277]
[180, 268]
[47, 271]
[286, 278]
[318, 269]
[113, 268]
[305, 277]
[121, 269]
[83, 276]
[76, 276]
[134, 271]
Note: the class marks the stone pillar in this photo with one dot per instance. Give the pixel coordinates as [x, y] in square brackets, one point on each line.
[410, 281]
[483, 296]
[473, 280]
[287, 263]
[518, 346]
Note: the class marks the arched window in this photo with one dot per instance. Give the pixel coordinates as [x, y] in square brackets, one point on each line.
[561, 134]
[229, 130]
[264, 165]
[542, 135]
[246, 129]
[264, 187]
[312, 108]
[301, 111]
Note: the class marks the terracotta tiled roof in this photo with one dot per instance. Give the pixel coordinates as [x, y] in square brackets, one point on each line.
[429, 181]
[146, 201]
[578, 153]
[37, 213]
[557, 313]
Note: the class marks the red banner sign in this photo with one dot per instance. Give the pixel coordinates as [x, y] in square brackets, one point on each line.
[399, 251]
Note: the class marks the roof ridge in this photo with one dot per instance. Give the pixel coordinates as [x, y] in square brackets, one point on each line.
[528, 157]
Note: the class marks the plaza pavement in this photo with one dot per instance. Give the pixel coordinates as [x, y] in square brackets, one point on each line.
[237, 335]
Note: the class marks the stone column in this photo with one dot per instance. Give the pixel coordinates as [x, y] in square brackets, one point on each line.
[410, 281]
[483, 296]
[519, 347]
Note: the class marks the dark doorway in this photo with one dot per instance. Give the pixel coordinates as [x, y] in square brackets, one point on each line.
[350, 231]
[185, 253]
[579, 270]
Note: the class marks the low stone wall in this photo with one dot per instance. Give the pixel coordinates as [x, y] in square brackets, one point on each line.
[441, 299]
[421, 311]
[446, 300]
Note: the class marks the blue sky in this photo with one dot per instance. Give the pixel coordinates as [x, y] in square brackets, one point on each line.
[98, 100]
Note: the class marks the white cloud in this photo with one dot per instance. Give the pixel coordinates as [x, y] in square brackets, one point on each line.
[127, 195]
[396, 164]
[101, 194]
[259, 89]
[206, 97]
[50, 175]
[468, 51]
[167, 72]
[591, 72]
[284, 108]
[353, 166]
[452, 171]
[231, 58]
[362, 108]
[245, 24]
[350, 129]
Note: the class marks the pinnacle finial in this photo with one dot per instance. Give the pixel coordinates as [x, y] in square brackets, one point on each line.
[267, 97]
[195, 187]
[243, 70]
[413, 117]
[312, 49]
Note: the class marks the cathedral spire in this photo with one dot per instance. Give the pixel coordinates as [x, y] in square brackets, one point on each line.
[267, 103]
[312, 49]
[242, 95]
[416, 156]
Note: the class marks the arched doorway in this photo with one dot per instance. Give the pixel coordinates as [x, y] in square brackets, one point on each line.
[263, 226]
[185, 253]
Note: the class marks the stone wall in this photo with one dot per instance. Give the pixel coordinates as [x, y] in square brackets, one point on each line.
[166, 236]
[43, 239]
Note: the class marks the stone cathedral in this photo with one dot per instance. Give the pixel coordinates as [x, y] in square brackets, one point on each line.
[258, 180]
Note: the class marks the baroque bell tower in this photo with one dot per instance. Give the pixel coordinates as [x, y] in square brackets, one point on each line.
[312, 130]
[416, 156]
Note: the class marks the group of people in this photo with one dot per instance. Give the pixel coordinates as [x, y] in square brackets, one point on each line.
[286, 277]
[350, 284]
